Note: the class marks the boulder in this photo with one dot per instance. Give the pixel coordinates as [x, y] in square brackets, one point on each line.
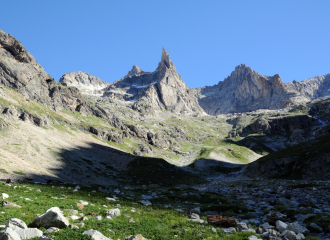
[96, 235]
[221, 221]
[15, 223]
[52, 218]
[29, 233]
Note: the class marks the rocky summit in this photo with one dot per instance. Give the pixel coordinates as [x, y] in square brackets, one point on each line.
[146, 157]
[85, 82]
[246, 90]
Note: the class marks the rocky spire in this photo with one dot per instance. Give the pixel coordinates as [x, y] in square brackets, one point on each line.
[166, 58]
[135, 70]
[165, 62]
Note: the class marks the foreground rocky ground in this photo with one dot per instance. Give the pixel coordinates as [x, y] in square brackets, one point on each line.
[226, 208]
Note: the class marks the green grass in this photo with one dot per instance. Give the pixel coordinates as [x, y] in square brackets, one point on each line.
[319, 219]
[3, 170]
[19, 173]
[153, 222]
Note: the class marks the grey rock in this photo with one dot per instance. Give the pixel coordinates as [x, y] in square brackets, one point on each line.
[85, 82]
[15, 223]
[135, 237]
[113, 212]
[52, 218]
[300, 236]
[243, 91]
[289, 234]
[96, 235]
[20, 70]
[9, 234]
[253, 238]
[229, 230]
[71, 212]
[145, 202]
[297, 228]
[29, 233]
[281, 226]
[242, 226]
[45, 238]
[51, 230]
[10, 204]
[266, 225]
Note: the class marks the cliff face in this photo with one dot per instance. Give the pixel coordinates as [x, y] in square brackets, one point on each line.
[160, 90]
[243, 91]
[85, 82]
[20, 70]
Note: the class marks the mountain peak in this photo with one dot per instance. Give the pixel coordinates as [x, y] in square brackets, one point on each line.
[135, 70]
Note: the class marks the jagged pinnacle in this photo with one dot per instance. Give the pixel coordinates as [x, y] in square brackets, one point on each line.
[166, 58]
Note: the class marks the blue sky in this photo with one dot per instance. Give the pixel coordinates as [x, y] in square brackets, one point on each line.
[205, 39]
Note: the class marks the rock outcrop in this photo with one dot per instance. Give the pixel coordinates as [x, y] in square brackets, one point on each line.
[311, 88]
[246, 90]
[19, 70]
[85, 82]
[160, 90]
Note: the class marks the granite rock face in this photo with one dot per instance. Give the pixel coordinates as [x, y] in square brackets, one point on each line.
[20, 70]
[246, 90]
[160, 90]
[85, 82]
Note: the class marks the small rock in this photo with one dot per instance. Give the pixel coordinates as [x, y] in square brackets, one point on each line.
[51, 230]
[29, 233]
[242, 226]
[113, 212]
[136, 237]
[15, 223]
[83, 202]
[10, 204]
[145, 202]
[229, 230]
[266, 225]
[289, 235]
[221, 221]
[297, 228]
[71, 211]
[281, 226]
[4, 195]
[72, 226]
[96, 235]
